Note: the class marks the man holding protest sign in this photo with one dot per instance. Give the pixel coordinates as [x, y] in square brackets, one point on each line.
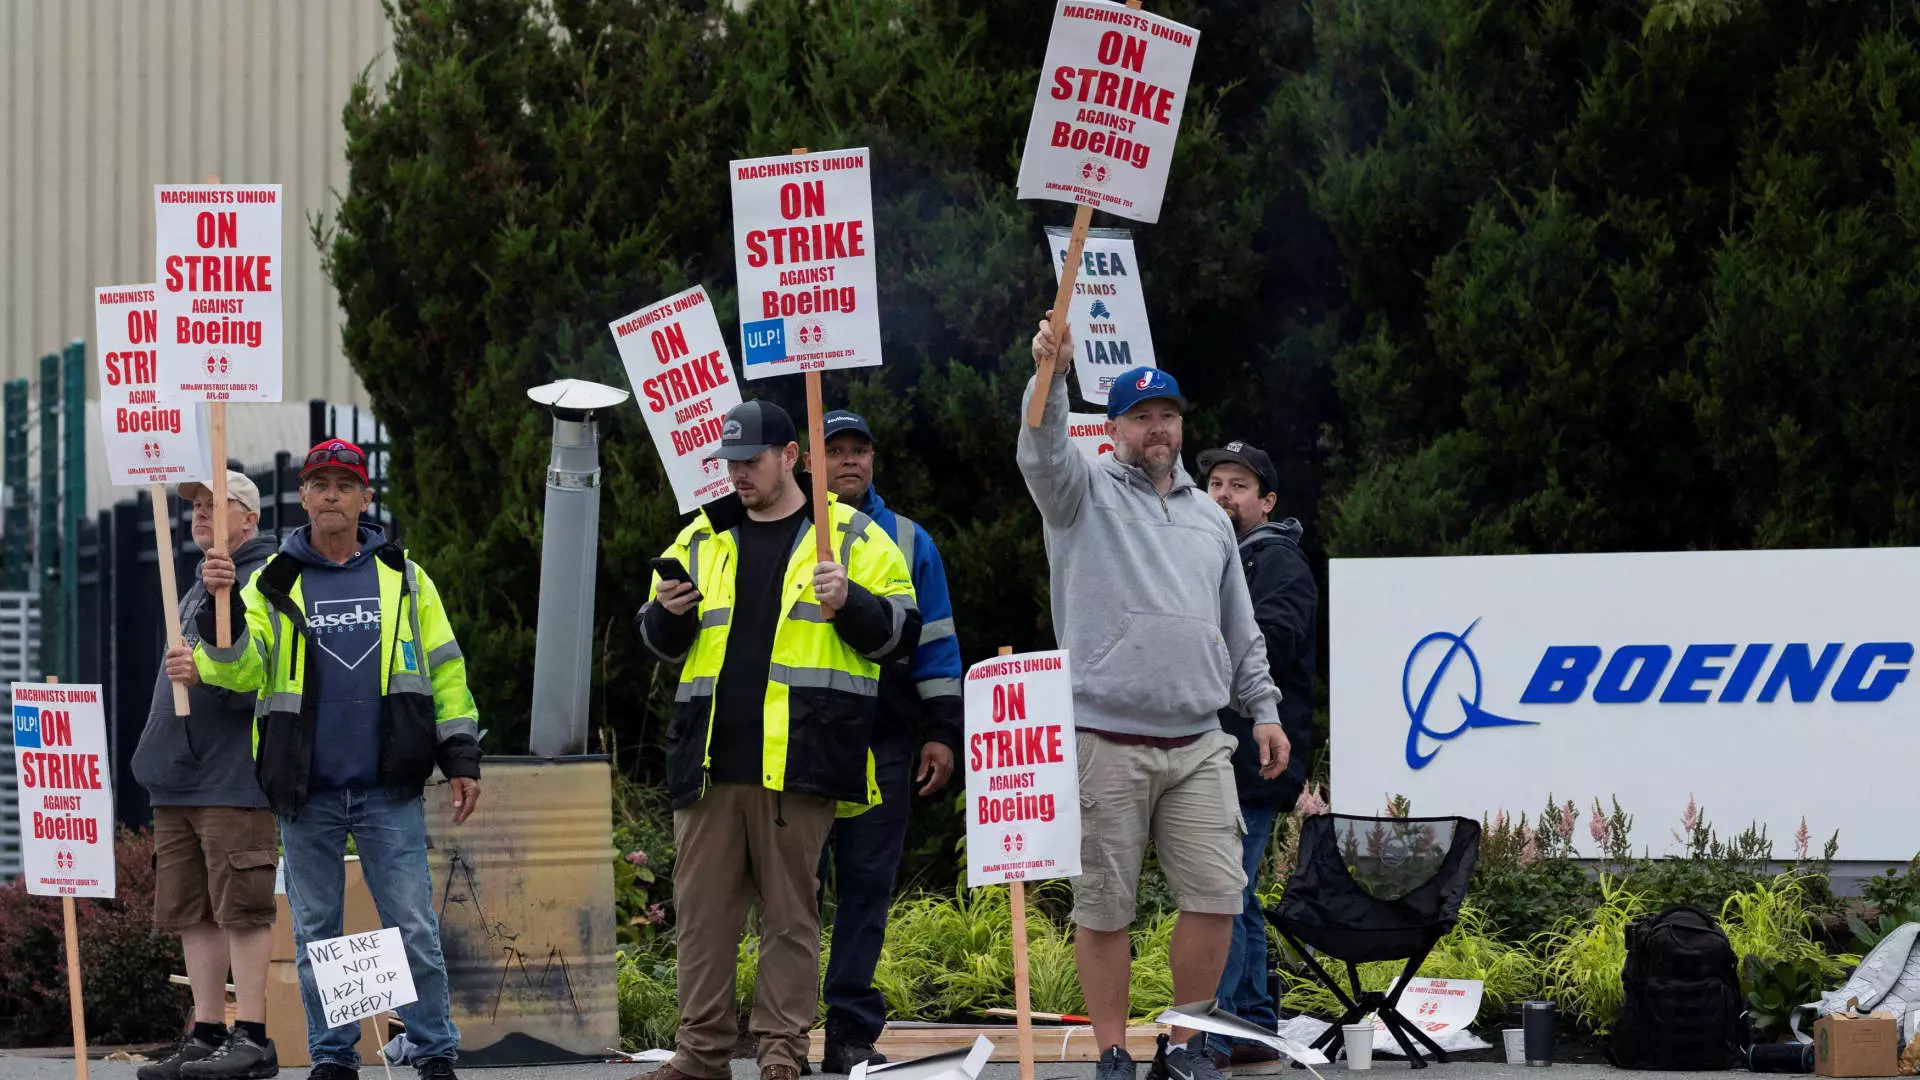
[347, 640]
[1150, 601]
[919, 703]
[781, 656]
[1241, 479]
[214, 842]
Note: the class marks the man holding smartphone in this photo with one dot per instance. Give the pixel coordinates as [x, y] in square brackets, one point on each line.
[779, 691]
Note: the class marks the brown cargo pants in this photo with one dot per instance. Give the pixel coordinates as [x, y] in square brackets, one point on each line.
[739, 844]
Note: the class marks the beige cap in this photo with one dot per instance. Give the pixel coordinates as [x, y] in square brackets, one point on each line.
[239, 489]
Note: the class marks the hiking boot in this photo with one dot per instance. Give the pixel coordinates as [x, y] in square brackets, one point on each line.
[1116, 1064]
[1192, 1061]
[239, 1058]
[779, 1072]
[189, 1050]
[435, 1069]
[847, 1046]
[333, 1070]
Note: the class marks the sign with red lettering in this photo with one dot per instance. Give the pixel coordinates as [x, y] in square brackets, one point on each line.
[1108, 313]
[66, 789]
[217, 250]
[1087, 431]
[803, 243]
[683, 381]
[1023, 779]
[1104, 123]
[152, 437]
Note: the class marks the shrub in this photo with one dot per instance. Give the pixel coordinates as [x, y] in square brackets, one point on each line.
[649, 1000]
[1584, 957]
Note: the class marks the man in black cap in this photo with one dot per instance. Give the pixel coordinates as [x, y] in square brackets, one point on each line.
[1240, 477]
[779, 689]
[919, 707]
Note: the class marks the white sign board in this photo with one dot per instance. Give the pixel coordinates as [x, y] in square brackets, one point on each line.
[361, 975]
[1435, 1006]
[952, 1065]
[1023, 780]
[683, 381]
[1087, 431]
[803, 245]
[219, 278]
[1108, 313]
[66, 789]
[1112, 89]
[1766, 685]
[151, 438]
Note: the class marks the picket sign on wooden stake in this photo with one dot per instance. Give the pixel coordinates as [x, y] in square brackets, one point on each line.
[217, 434]
[1022, 980]
[169, 588]
[70, 916]
[1069, 274]
[816, 443]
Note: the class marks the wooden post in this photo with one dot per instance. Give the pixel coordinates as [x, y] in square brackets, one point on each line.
[1062, 297]
[75, 1001]
[169, 588]
[816, 445]
[217, 420]
[1022, 981]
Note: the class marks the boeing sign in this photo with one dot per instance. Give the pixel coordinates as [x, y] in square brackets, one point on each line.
[1763, 684]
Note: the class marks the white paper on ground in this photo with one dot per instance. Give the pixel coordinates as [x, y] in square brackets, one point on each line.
[1208, 1016]
[1305, 1029]
[643, 1056]
[951, 1065]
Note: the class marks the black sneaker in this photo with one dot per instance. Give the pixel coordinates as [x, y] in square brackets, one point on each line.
[1115, 1064]
[840, 1057]
[190, 1049]
[333, 1070]
[239, 1058]
[1192, 1062]
[433, 1069]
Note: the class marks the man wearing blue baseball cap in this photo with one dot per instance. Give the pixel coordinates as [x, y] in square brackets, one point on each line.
[1149, 597]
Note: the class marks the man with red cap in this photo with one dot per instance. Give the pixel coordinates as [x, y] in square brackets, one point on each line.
[362, 694]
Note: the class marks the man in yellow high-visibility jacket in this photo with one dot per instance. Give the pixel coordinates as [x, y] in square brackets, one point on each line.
[771, 730]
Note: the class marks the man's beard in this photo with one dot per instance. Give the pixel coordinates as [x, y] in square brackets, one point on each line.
[1145, 463]
[1233, 516]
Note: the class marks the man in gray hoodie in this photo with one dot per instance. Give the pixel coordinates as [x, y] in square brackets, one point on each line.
[1149, 599]
[213, 836]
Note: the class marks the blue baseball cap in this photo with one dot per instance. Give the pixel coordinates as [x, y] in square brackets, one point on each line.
[840, 421]
[1130, 388]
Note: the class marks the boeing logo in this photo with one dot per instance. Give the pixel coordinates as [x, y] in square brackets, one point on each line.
[1723, 673]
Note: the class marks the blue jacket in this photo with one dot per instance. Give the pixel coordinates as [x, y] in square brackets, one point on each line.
[921, 695]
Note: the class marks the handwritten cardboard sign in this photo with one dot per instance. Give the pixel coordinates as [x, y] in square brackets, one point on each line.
[361, 975]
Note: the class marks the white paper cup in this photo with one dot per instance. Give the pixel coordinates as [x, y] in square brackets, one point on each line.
[1359, 1043]
[1516, 1040]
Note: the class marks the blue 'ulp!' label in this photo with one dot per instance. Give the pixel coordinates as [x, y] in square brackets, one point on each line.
[766, 341]
[26, 726]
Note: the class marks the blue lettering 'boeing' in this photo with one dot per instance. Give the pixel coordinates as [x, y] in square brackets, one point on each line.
[1725, 673]
[1471, 714]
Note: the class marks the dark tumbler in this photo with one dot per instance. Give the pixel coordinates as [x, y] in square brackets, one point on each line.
[1536, 1019]
[1790, 1057]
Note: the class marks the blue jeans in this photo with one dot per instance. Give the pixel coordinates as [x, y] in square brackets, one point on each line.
[865, 854]
[390, 831]
[1243, 982]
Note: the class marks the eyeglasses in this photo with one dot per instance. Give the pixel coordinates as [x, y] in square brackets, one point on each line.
[328, 455]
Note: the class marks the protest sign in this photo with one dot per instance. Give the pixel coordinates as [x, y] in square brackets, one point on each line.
[1108, 312]
[1023, 791]
[803, 245]
[1087, 431]
[217, 256]
[151, 436]
[66, 789]
[1112, 89]
[360, 976]
[683, 381]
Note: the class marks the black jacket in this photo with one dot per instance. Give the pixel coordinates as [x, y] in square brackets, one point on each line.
[1286, 604]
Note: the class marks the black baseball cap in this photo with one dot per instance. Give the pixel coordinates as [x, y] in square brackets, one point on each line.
[840, 421]
[1247, 456]
[752, 427]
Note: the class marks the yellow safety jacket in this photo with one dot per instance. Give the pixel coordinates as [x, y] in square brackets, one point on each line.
[429, 716]
[822, 696]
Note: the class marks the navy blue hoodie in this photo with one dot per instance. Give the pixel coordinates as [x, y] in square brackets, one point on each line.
[342, 602]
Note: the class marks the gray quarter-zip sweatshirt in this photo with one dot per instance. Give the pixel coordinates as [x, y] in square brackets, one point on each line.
[1148, 594]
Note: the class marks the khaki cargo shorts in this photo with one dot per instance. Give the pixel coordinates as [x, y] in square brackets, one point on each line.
[1185, 800]
[213, 864]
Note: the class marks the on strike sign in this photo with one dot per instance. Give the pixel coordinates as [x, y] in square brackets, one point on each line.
[803, 242]
[1023, 787]
[1111, 93]
[1108, 312]
[150, 440]
[683, 381]
[66, 789]
[219, 280]
[361, 975]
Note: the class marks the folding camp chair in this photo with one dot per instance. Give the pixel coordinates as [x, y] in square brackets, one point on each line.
[1369, 889]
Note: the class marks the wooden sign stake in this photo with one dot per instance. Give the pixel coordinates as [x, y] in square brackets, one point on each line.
[816, 442]
[70, 917]
[217, 420]
[1069, 274]
[169, 588]
[1022, 982]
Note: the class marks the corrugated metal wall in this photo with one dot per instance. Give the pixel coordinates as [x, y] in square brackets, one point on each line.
[102, 99]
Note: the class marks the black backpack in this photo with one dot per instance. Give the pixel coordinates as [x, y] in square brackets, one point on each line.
[1682, 1008]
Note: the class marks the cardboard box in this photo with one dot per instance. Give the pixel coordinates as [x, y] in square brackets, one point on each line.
[1859, 1046]
[286, 1016]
